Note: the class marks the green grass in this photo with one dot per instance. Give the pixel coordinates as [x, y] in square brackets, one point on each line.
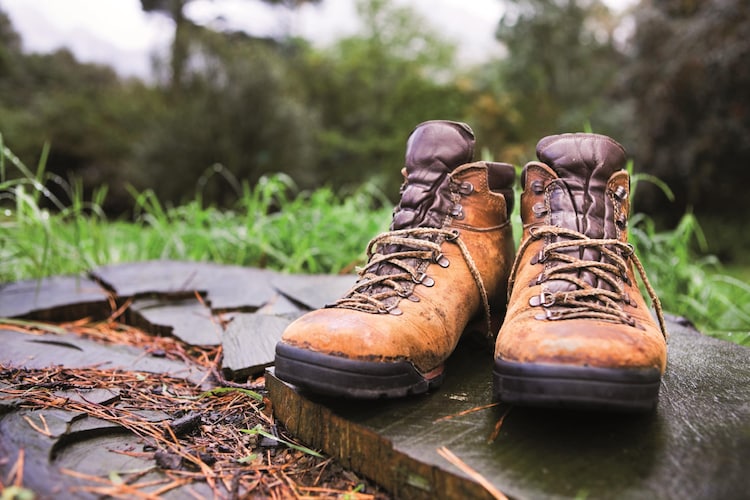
[271, 225]
[738, 271]
[691, 284]
[274, 225]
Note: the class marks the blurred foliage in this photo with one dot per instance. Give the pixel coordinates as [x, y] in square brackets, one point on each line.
[228, 107]
[371, 90]
[560, 71]
[690, 82]
[92, 118]
[238, 112]
[184, 28]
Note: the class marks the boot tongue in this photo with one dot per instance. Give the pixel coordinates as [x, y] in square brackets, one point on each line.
[433, 151]
[584, 164]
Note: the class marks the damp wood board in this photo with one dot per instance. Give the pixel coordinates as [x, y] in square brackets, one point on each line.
[696, 444]
[59, 298]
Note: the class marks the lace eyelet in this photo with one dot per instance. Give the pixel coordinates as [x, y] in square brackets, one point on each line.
[544, 299]
[620, 193]
[539, 258]
[457, 212]
[533, 232]
[466, 188]
[549, 314]
[423, 279]
[441, 260]
[539, 209]
[454, 234]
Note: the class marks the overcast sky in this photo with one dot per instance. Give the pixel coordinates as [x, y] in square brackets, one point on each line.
[119, 33]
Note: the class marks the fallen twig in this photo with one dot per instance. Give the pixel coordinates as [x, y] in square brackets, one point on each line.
[476, 476]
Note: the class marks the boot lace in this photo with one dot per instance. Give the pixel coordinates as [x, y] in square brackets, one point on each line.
[586, 300]
[404, 253]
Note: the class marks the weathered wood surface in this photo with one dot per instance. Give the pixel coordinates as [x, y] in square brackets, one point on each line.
[188, 319]
[225, 287]
[245, 353]
[59, 298]
[75, 444]
[695, 445]
[197, 302]
[39, 351]
[202, 304]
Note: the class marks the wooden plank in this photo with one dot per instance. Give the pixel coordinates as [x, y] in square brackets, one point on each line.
[226, 287]
[249, 343]
[187, 319]
[315, 290]
[60, 298]
[695, 445]
[22, 350]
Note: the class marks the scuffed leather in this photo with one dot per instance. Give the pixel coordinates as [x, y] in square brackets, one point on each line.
[433, 318]
[580, 184]
[501, 178]
[433, 150]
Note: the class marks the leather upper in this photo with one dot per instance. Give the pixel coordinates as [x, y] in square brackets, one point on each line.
[574, 298]
[462, 210]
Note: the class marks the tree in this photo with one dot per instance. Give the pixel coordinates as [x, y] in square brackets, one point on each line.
[372, 89]
[175, 9]
[239, 112]
[690, 79]
[560, 70]
[185, 29]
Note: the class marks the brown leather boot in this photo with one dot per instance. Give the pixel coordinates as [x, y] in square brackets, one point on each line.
[444, 262]
[578, 332]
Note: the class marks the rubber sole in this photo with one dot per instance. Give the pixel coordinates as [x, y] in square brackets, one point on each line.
[576, 387]
[343, 377]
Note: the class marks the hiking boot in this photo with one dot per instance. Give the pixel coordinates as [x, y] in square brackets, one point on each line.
[443, 264]
[578, 333]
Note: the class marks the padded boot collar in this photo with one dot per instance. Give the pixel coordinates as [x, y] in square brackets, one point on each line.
[584, 164]
[433, 151]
